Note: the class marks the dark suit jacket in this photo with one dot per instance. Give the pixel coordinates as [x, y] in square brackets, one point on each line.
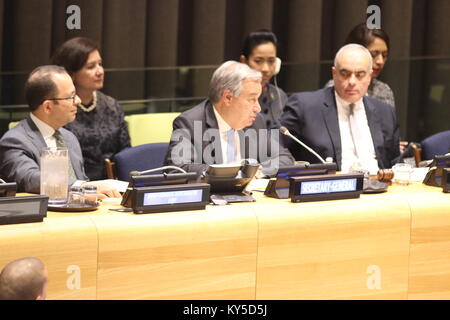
[312, 117]
[20, 157]
[195, 136]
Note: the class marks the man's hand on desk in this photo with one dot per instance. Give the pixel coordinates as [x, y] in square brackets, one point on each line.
[105, 191]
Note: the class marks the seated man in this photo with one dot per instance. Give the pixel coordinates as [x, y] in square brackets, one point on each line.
[24, 279]
[341, 121]
[51, 96]
[227, 127]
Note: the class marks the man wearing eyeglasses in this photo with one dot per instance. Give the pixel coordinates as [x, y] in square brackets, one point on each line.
[341, 122]
[52, 100]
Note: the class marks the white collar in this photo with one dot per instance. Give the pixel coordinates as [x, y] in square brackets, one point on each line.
[345, 104]
[221, 123]
[46, 130]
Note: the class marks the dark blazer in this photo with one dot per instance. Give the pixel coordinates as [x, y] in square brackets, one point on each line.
[20, 150]
[312, 117]
[195, 136]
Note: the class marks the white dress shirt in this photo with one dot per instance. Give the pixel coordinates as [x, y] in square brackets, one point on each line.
[367, 159]
[224, 127]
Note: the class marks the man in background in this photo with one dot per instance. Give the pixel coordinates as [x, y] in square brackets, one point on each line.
[341, 121]
[50, 94]
[227, 127]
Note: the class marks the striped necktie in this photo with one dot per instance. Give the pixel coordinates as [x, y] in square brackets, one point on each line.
[60, 143]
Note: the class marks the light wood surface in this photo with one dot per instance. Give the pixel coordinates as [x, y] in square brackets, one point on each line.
[62, 244]
[207, 254]
[271, 249]
[324, 250]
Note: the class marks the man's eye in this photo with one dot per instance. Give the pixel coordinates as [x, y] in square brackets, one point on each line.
[345, 73]
[360, 74]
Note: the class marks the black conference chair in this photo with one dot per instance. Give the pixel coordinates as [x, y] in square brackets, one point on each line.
[436, 144]
[139, 158]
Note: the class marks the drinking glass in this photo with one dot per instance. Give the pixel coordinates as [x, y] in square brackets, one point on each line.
[55, 174]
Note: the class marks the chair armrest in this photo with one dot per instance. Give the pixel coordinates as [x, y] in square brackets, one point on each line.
[110, 168]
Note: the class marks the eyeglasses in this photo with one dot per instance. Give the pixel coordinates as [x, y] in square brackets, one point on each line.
[73, 98]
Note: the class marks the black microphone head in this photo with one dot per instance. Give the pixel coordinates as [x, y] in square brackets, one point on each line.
[135, 173]
[284, 131]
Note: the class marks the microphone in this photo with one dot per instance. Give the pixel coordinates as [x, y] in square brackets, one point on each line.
[286, 132]
[138, 173]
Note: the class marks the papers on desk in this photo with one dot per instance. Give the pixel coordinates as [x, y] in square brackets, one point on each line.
[257, 185]
[119, 185]
[418, 174]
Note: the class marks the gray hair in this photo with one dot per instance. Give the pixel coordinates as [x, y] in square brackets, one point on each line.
[229, 76]
[353, 46]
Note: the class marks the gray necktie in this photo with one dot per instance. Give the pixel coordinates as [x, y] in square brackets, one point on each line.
[60, 143]
[355, 131]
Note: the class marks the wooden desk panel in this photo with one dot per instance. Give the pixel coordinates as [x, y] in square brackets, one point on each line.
[59, 243]
[324, 250]
[207, 254]
[430, 246]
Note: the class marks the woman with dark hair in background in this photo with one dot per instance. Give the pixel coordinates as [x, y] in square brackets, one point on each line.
[260, 53]
[377, 42]
[99, 126]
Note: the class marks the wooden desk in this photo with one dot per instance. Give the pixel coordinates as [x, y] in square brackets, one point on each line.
[394, 245]
[207, 254]
[330, 250]
[67, 245]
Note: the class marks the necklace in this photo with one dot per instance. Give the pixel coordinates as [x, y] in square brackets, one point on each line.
[92, 106]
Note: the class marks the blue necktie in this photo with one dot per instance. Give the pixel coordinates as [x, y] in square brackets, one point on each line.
[231, 146]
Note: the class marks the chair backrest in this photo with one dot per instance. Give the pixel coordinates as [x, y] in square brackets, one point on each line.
[12, 124]
[150, 127]
[437, 144]
[139, 158]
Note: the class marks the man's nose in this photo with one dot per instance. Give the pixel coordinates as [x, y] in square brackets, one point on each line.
[258, 106]
[352, 79]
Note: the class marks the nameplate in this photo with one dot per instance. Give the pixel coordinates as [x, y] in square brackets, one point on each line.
[326, 187]
[182, 197]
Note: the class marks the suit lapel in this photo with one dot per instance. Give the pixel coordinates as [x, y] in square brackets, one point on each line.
[211, 124]
[35, 136]
[374, 123]
[330, 117]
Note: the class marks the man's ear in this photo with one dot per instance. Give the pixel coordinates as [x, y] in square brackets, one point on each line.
[333, 71]
[227, 96]
[47, 106]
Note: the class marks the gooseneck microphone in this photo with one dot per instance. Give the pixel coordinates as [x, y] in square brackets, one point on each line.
[138, 173]
[286, 132]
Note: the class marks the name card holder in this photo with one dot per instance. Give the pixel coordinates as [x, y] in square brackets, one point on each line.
[326, 187]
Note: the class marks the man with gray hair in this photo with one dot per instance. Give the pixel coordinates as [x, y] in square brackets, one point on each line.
[24, 279]
[341, 121]
[227, 127]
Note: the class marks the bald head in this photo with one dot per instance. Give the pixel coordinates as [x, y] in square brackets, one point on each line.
[352, 72]
[23, 279]
[351, 50]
